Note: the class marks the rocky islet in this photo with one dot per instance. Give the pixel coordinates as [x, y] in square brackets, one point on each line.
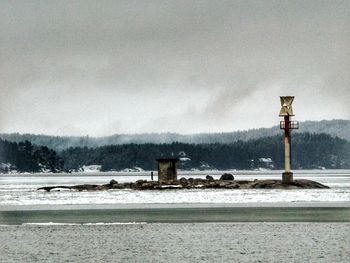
[226, 181]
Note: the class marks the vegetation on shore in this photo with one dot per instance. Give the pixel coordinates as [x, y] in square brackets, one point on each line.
[26, 157]
[335, 128]
[310, 151]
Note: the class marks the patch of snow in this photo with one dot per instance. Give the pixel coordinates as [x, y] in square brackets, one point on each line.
[91, 168]
[265, 160]
[171, 186]
[265, 163]
[261, 169]
[134, 169]
[7, 168]
[5, 165]
[182, 154]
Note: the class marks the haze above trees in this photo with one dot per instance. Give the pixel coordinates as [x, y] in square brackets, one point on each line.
[335, 128]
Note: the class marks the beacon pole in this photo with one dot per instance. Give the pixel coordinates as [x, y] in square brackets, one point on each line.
[287, 151]
[287, 125]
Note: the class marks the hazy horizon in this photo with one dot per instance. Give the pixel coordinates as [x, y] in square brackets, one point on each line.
[131, 67]
[165, 132]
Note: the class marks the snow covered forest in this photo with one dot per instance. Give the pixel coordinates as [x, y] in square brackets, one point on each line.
[310, 151]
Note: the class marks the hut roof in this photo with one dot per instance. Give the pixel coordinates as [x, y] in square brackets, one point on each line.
[172, 159]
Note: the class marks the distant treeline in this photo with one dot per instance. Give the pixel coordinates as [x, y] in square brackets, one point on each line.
[26, 157]
[309, 151]
[335, 128]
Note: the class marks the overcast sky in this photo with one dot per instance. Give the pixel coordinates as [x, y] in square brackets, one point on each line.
[105, 67]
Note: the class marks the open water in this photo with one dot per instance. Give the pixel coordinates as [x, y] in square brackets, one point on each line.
[174, 225]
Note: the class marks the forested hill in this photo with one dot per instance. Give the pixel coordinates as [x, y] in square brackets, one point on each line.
[335, 128]
[309, 151]
[26, 157]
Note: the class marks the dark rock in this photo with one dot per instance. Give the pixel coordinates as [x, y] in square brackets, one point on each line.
[227, 177]
[209, 178]
[141, 181]
[308, 184]
[128, 185]
[195, 183]
[266, 184]
[101, 187]
[232, 186]
[147, 185]
[49, 188]
[223, 184]
[214, 184]
[112, 182]
[244, 182]
[198, 181]
[84, 187]
[183, 181]
[118, 186]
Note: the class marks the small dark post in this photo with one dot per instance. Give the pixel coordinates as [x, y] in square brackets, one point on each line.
[152, 175]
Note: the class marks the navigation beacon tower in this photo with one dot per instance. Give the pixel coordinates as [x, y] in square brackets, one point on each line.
[287, 125]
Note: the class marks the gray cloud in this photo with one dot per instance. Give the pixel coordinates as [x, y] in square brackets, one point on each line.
[99, 67]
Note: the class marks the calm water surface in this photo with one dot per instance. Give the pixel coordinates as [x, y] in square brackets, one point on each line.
[194, 242]
[18, 195]
[17, 190]
[208, 225]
